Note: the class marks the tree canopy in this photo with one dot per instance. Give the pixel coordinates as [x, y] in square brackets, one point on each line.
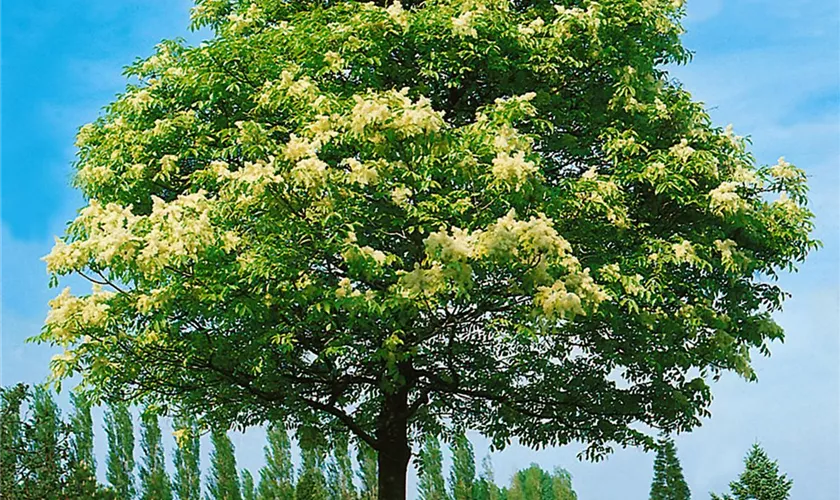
[390, 218]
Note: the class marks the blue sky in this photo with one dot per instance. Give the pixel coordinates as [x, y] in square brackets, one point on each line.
[770, 67]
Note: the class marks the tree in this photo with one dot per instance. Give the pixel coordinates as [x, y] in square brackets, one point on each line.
[561, 485]
[760, 480]
[312, 484]
[82, 461]
[120, 459]
[249, 492]
[12, 400]
[486, 488]
[372, 217]
[431, 485]
[277, 476]
[154, 481]
[340, 471]
[223, 483]
[187, 480]
[47, 445]
[668, 481]
[462, 475]
[368, 472]
[534, 483]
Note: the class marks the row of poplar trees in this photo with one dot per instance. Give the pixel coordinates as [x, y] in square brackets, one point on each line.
[44, 457]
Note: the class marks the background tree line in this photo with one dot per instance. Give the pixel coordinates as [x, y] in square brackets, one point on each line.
[45, 457]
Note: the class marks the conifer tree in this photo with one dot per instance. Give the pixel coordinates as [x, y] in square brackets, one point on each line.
[340, 471]
[431, 484]
[187, 481]
[312, 484]
[277, 476]
[154, 481]
[120, 460]
[249, 491]
[223, 483]
[760, 480]
[82, 461]
[462, 475]
[668, 481]
[368, 472]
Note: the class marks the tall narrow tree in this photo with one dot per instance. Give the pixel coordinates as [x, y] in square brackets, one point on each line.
[223, 482]
[120, 459]
[486, 487]
[431, 484]
[668, 481]
[340, 470]
[312, 483]
[82, 460]
[462, 475]
[154, 480]
[277, 476]
[12, 400]
[760, 480]
[187, 480]
[249, 491]
[561, 485]
[368, 472]
[46, 446]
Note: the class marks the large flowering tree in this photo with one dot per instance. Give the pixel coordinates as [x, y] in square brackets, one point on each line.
[401, 219]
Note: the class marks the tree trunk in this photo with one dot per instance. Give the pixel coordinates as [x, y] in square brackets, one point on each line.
[394, 451]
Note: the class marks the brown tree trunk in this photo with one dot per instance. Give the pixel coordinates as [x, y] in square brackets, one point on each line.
[394, 451]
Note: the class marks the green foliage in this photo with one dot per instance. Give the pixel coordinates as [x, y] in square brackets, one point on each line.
[367, 473]
[223, 482]
[431, 485]
[82, 461]
[249, 491]
[760, 480]
[187, 480]
[486, 488]
[312, 483]
[462, 475]
[534, 483]
[120, 459]
[154, 481]
[424, 210]
[277, 476]
[12, 400]
[340, 471]
[668, 481]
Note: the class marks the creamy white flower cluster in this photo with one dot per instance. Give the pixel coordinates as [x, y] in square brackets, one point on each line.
[393, 110]
[69, 314]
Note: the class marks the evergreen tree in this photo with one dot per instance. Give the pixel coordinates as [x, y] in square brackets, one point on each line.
[11, 439]
[277, 476]
[82, 461]
[249, 492]
[120, 459]
[431, 484]
[668, 481]
[154, 481]
[312, 484]
[187, 481]
[223, 483]
[486, 488]
[462, 475]
[760, 480]
[368, 472]
[340, 471]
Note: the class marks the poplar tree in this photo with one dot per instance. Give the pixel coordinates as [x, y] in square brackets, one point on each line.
[462, 474]
[223, 481]
[368, 472]
[46, 446]
[12, 400]
[154, 480]
[312, 484]
[486, 487]
[120, 459]
[340, 471]
[431, 484]
[668, 481]
[82, 460]
[277, 476]
[249, 491]
[760, 480]
[187, 480]
[384, 217]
